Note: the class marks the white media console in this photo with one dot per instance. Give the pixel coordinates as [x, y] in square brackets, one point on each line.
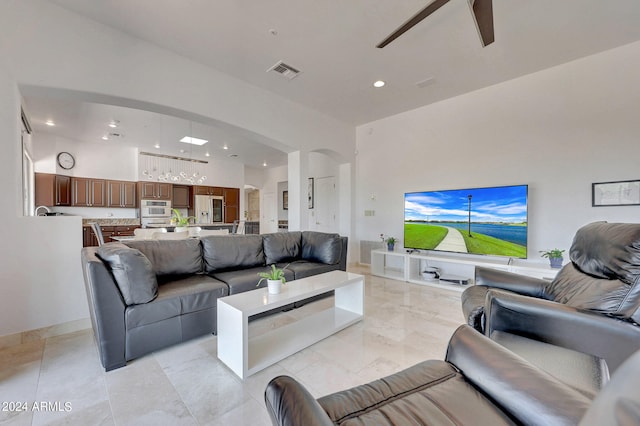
[404, 266]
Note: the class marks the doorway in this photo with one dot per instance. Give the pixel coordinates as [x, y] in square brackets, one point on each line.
[325, 209]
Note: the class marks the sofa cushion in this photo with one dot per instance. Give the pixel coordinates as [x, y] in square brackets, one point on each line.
[584, 372]
[321, 247]
[608, 250]
[246, 279]
[171, 257]
[304, 268]
[224, 252]
[184, 295]
[132, 272]
[282, 246]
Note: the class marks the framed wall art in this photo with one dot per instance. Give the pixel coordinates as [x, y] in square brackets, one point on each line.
[620, 193]
[310, 193]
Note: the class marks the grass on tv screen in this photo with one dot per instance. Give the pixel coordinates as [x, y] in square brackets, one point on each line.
[489, 221]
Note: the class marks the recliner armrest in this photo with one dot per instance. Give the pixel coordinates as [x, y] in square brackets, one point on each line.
[527, 393]
[521, 284]
[290, 404]
[609, 338]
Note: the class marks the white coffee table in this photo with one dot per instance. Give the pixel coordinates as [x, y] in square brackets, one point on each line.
[246, 356]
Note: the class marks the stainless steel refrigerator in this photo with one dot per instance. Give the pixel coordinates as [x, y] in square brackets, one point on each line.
[209, 209]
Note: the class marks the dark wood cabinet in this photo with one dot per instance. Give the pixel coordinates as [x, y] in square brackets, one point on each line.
[89, 239]
[62, 190]
[52, 190]
[86, 192]
[203, 190]
[155, 190]
[231, 204]
[121, 194]
[181, 197]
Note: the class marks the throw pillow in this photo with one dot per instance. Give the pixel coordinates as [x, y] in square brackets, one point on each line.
[232, 252]
[132, 271]
[282, 246]
[321, 247]
[171, 257]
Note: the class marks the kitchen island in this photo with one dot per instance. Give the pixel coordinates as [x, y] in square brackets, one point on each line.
[250, 227]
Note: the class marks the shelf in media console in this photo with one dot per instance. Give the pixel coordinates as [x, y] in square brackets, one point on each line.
[462, 265]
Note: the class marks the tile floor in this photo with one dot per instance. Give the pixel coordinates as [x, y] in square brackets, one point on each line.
[187, 385]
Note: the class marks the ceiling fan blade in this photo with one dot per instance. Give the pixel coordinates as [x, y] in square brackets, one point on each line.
[432, 7]
[483, 17]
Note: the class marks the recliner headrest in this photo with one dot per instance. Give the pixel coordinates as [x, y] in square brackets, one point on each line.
[608, 250]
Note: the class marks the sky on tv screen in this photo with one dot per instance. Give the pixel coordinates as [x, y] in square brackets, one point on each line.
[507, 204]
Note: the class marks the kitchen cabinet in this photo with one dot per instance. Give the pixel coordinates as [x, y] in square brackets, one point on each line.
[87, 192]
[207, 190]
[89, 239]
[181, 197]
[231, 204]
[121, 194]
[52, 190]
[155, 190]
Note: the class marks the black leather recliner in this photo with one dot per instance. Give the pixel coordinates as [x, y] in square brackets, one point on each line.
[603, 277]
[480, 383]
[580, 327]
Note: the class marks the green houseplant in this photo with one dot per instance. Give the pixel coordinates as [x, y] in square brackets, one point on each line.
[275, 278]
[180, 221]
[554, 256]
[391, 241]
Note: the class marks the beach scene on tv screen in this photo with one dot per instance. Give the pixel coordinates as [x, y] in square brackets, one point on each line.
[490, 221]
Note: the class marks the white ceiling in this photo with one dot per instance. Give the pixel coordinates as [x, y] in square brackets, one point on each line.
[89, 122]
[333, 43]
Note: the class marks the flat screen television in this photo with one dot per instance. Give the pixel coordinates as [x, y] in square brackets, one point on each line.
[488, 221]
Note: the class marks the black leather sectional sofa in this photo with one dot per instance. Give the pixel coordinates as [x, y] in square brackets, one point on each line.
[149, 294]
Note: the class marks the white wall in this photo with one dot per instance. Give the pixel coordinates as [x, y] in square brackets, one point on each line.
[48, 46]
[269, 189]
[558, 131]
[93, 159]
[45, 46]
[40, 274]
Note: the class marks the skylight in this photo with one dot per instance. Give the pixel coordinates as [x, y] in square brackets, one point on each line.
[193, 141]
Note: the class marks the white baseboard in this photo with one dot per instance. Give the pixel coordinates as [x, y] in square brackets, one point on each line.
[44, 333]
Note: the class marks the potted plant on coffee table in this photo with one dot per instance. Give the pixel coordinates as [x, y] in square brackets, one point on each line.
[275, 278]
[554, 256]
[181, 222]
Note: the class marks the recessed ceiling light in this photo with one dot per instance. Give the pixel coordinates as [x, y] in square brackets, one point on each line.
[114, 124]
[264, 164]
[182, 151]
[206, 154]
[105, 138]
[193, 141]
[157, 146]
[379, 83]
[50, 123]
[225, 146]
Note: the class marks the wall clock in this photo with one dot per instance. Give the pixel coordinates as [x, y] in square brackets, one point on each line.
[66, 160]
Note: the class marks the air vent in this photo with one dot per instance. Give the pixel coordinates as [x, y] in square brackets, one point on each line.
[116, 135]
[285, 70]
